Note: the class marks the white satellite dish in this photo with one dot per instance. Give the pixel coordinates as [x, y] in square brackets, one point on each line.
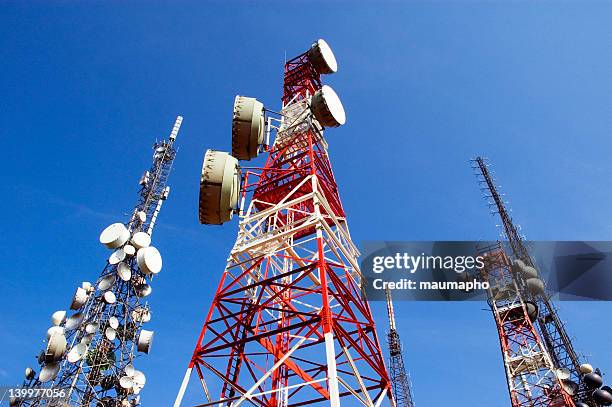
[114, 236]
[113, 322]
[117, 256]
[124, 271]
[77, 353]
[56, 346]
[58, 317]
[126, 383]
[74, 321]
[562, 373]
[586, 368]
[129, 370]
[322, 57]
[247, 127]
[79, 299]
[92, 327]
[149, 260]
[110, 333]
[139, 378]
[142, 290]
[49, 372]
[142, 216]
[129, 250]
[219, 187]
[140, 240]
[109, 297]
[327, 108]
[145, 338]
[54, 330]
[107, 282]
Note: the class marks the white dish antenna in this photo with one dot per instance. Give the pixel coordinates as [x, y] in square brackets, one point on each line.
[145, 338]
[586, 368]
[322, 57]
[110, 333]
[79, 299]
[55, 348]
[219, 187]
[247, 127]
[113, 322]
[54, 330]
[562, 373]
[86, 285]
[77, 353]
[149, 260]
[129, 370]
[327, 107]
[124, 271]
[129, 250]
[109, 297]
[107, 282]
[92, 328]
[114, 235]
[142, 290]
[49, 372]
[117, 256]
[140, 240]
[126, 383]
[142, 216]
[74, 321]
[58, 317]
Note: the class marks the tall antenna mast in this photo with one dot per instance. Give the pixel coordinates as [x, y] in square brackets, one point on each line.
[288, 324]
[578, 380]
[397, 370]
[533, 380]
[91, 356]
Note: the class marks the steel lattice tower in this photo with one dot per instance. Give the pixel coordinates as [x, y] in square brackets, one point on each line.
[397, 370]
[530, 372]
[288, 325]
[552, 330]
[91, 355]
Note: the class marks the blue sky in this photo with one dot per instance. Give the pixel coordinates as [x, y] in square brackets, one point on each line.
[88, 86]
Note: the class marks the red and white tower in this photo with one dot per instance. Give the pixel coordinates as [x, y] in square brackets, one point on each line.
[533, 380]
[288, 325]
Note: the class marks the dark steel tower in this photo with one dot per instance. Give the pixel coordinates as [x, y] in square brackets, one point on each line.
[397, 370]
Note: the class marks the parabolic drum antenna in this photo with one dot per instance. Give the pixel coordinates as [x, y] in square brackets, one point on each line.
[92, 352]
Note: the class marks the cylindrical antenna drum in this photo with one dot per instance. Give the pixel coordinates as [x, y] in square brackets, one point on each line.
[322, 57]
[247, 127]
[219, 187]
[327, 108]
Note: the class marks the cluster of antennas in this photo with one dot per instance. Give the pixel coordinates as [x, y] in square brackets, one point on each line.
[601, 395]
[221, 176]
[85, 337]
[591, 378]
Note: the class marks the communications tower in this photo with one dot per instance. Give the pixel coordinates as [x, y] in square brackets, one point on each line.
[533, 380]
[288, 325]
[91, 356]
[400, 380]
[579, 381]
